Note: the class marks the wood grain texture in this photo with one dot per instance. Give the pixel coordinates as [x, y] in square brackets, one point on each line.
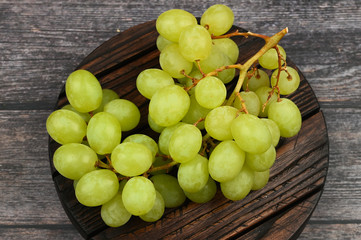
[41, 42]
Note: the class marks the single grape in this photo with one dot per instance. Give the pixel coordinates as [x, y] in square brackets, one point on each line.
[125, 111]
[195, 112]
[114, 213]
[204, 195]
[263, 95]
[85, 116]
[138, 195]
[218, 122]
[157, 211]
[155, 127]
[185, 143]
[165, 136]
[162, 42]
[274, 130]
[260, 179]
[169, 105]
[226, 161]
[219, 19]
[171, 23]
[172, 61]
[251, 100]
[145, 140]
[262, 161]
[269, 59]
[251, 134]
[170, 190]
[83, 91]
[108, 95]
[287, 116]
[210, 92]
[97, 187]
[259, 79]
[195, 43]
[228, 47]
[150, 80]
[73, 160]
[131, 158]
[285, 84]
[65, 126]
[103, 133]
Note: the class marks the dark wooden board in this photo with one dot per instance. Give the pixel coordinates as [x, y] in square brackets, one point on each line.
[278, 211]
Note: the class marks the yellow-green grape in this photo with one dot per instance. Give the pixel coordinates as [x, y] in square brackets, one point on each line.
[218, 122]
[138, 195]
[210, 92]
[260, 180]
[85, 116]
[83, 91]
[251, 100]
[219, 19]
[285, 84]
[171, 23]
[65, 126]
[195, 43]
[125, 111]
[262, 161]
[251, 134]
[169, 105]
[274, 130]
[259, 79]
[108, 95]
[193, 175]
[114, 213]
[97, 187]
[155, 127]
[162, 42]
[131, 158]
[172, 61]
[165, 136]
[195, 112]
[287, 116]
[145, 140]
[170, 190]
[269, 59]
[204, 195]
[226, 161]
[228, 47]
[73, 160]
[239, 187]
[150, 80]
[103, 133]
[263, 94]
[157, 211]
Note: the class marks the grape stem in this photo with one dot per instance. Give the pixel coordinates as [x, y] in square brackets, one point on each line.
[163, 167]
[244, 108]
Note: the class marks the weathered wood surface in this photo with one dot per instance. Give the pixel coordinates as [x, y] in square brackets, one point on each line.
[41, 42]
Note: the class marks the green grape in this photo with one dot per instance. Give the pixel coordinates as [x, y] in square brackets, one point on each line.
[113, 213]
[138, 195]
[103, 133]
[157, 211]
[274, 130]
[286, 86]
[97, 187]
[195, 43]
[226, 161]
[204, 195]
[228, 47]
[150, 80]
[219, 19]
[239, 187]
[287, 116]
[66, 126]
[162, 42]
[73, 160]
[172, 61]
[131, 158]
[210, 92]
[260, 179]
[170, 190]
[145, 140]
[195, 112]
[171, 23]
[161, 161]
[185, 143]
[251, 100]
[85, 116]
[169, 105]
[125, 111]
[218, 122]
[259, 79]
[83, 91]
[155, 127]
[262, 161]
[263, 94]
[193, 175]
[108, 95]
[215, 60]
[269, 59]
[251, 134]
[165, 136]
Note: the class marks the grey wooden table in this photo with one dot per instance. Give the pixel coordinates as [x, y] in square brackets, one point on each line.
[42, 41]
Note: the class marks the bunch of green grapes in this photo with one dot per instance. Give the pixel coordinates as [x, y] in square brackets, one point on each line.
[206, 139]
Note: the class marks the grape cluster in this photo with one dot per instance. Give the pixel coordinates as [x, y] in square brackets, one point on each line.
[207, 138]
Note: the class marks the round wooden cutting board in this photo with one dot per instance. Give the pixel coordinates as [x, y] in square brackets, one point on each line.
[278, 211]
